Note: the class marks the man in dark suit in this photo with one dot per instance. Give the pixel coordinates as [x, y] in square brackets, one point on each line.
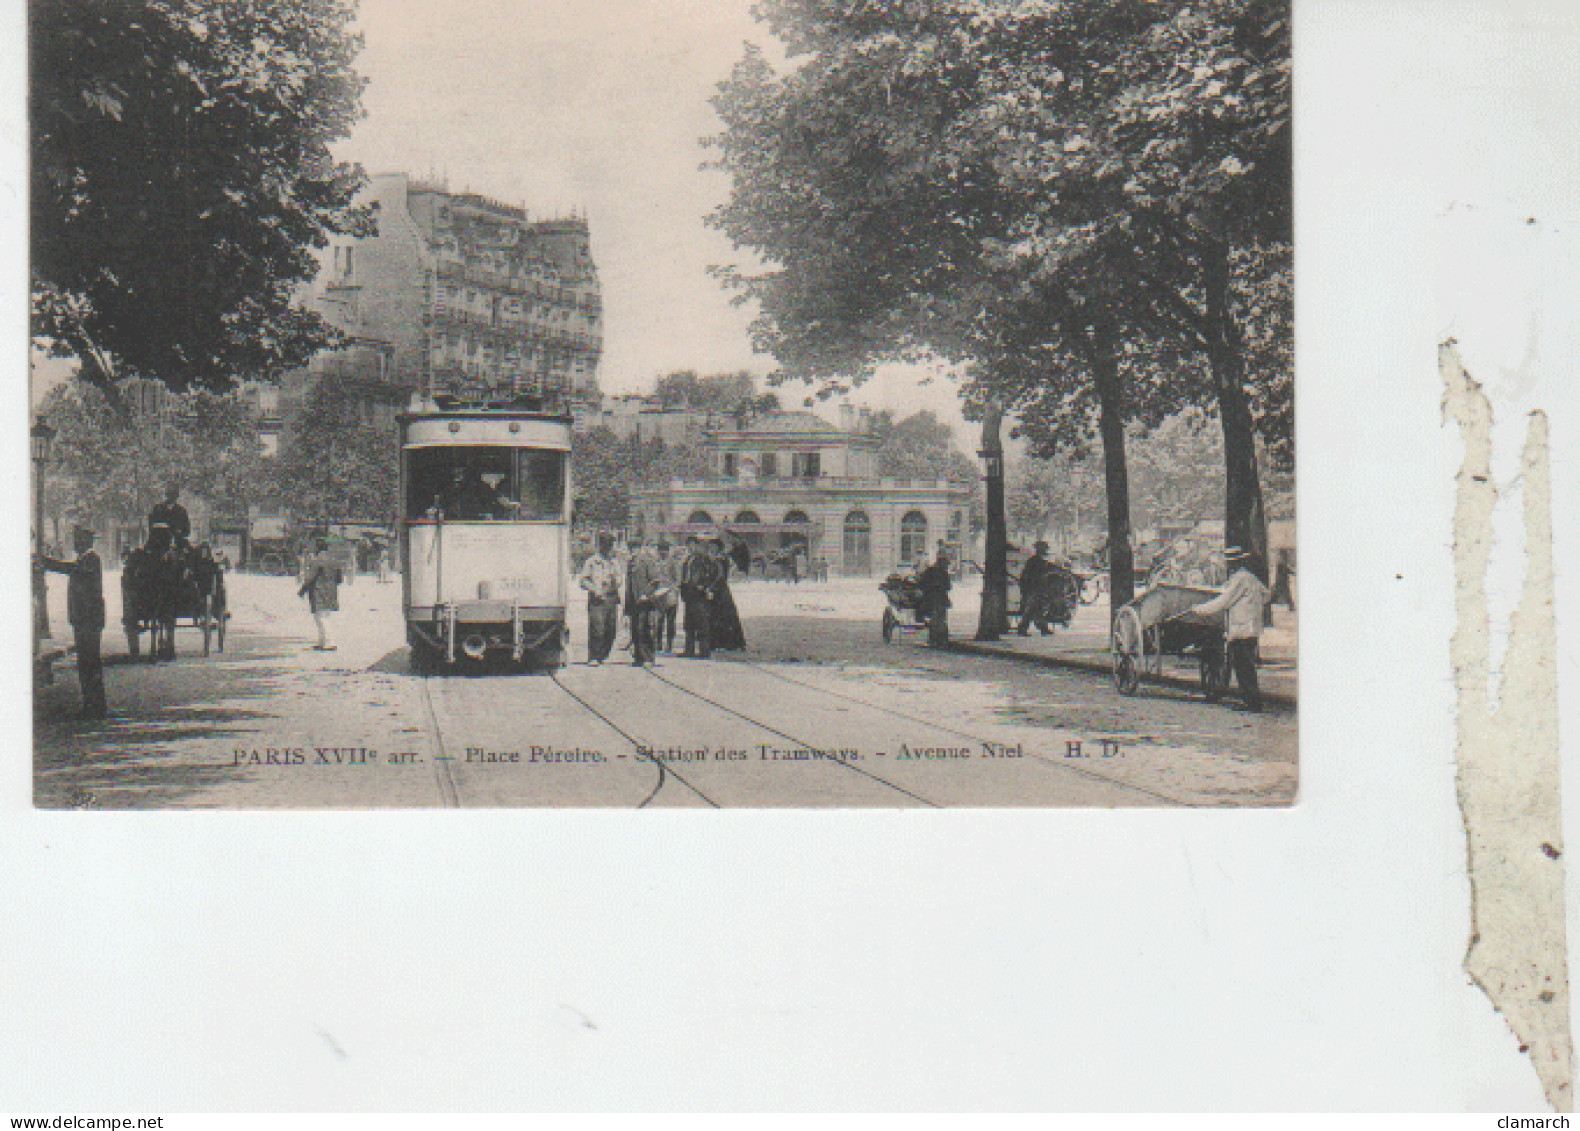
[173, 516]
[699, 580]
[85, 611]
[1036, 586]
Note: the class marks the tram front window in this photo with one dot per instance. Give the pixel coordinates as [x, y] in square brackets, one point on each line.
[484, 484]
[540, 476]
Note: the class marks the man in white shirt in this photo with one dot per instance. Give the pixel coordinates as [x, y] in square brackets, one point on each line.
[601, 579]
[1243, 599]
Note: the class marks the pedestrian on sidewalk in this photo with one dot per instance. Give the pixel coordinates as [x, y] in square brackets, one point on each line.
[935, 583]
[601, 581]
[1243, 599]
[1036, 580]
[321, 586]
[85, 611]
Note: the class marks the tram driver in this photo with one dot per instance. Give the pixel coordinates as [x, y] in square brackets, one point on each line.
[468, 496]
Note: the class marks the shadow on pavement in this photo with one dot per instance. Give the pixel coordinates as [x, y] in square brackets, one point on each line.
[135, 759]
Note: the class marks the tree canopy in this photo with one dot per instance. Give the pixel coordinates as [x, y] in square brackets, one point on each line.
[1087, 201]
[182, 179]
[104, 465]
[335, 468]
[607, 467]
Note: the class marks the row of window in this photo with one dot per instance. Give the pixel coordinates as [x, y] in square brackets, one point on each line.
[802, 465]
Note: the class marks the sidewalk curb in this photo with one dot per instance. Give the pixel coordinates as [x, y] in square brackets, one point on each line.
[980, 648]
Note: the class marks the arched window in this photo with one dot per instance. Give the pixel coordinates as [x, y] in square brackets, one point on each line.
[913, 537]
[858, 544]
[700, 518]
[747, 516]
[796, 516]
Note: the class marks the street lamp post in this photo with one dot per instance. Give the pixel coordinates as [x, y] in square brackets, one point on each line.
[994, 617]
[41, 436]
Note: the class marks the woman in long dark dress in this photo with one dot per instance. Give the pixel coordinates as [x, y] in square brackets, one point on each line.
[728, 636]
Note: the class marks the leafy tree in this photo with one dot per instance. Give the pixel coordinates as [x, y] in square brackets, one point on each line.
[920, 447]
[181, 178]
[333, 467]
[1069, 197]
[1050, 493]
[107, 464]
[605, 468]
[718, 392]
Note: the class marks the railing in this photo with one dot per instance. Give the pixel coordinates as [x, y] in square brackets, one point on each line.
[494, 280]
[790, 483]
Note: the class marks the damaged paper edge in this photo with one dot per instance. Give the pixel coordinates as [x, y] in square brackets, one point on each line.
[1508, 754]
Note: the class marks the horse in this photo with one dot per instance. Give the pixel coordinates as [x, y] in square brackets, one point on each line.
[155, 579]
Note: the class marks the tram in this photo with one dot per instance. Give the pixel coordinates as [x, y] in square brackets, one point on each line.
[485, 531]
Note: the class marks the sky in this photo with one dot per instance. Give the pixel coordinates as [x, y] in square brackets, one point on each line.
[597, 107]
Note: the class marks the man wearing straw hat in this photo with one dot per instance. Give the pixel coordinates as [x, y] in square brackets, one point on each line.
[1243, 599]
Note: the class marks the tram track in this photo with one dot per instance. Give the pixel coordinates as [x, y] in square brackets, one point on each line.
[802, 744]
[664, 771]
[1080, 771]
[450, 791]
[444, 775]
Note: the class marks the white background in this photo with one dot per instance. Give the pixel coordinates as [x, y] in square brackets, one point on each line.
[1069, 960]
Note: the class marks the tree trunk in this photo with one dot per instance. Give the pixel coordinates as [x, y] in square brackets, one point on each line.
[1245, 524]
[993, 618]
[1116, 477]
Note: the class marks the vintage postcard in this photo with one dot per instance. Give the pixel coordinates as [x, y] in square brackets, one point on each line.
[784, 406]
[845, 409]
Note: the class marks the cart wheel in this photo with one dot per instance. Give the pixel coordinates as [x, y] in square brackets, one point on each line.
[1127, 647]
[223, 617]
[888, 625]
[208, 624]
[1214, 674]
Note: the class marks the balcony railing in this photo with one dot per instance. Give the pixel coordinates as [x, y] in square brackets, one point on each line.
[789, 483]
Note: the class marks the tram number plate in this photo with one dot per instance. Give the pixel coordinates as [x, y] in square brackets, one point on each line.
[505, 587]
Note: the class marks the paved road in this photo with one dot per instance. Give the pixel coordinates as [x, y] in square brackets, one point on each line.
[819, 712]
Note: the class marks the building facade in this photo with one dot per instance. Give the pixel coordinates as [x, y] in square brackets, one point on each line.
[646, 418]
[791, 479]
[473, 297]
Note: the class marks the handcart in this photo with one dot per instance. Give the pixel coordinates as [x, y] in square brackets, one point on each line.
[906, 609]
[1159, 623]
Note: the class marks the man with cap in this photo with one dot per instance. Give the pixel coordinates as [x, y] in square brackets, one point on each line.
[669, 597]
[85, 611]
[642, 584]
[1036, 588]
[171, 515]
[601, 581]
[1242, 599]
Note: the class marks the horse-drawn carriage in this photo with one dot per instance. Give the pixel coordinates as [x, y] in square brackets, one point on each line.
[164, 584]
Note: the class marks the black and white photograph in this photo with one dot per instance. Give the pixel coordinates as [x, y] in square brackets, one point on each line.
[875, 418]
[744, 405]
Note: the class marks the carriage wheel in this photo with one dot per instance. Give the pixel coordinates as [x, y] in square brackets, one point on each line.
[1214, 673]
[208, 622]
[888, 625]
[222, 618]
[1128, 649]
